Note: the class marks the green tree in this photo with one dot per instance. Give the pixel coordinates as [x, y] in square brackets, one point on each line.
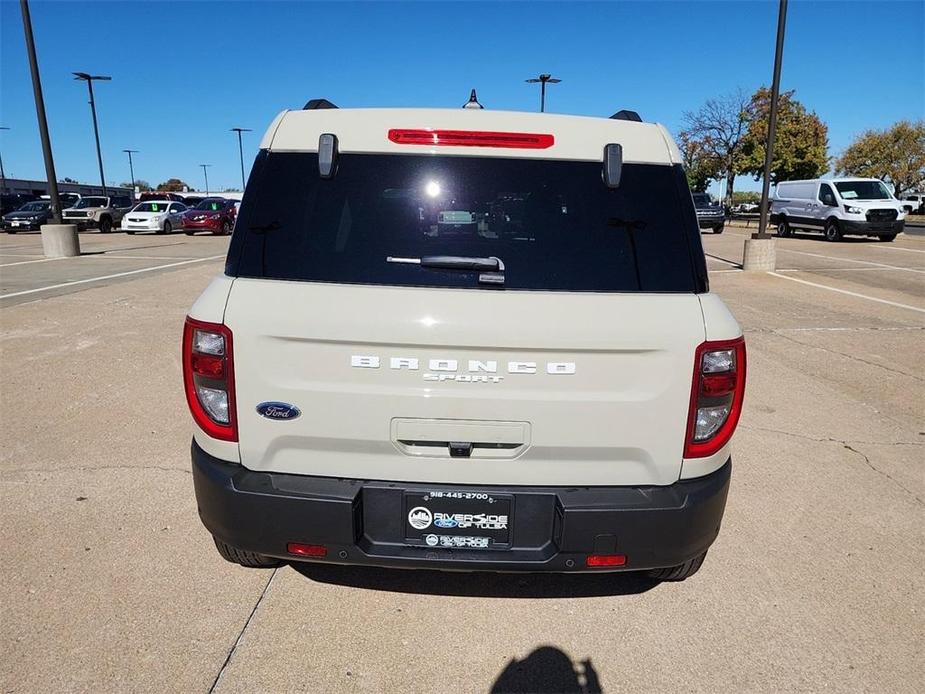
[746, 196]
[896, 155]
[699, 166]
[718, 128]
[173, 185]
[801, 139]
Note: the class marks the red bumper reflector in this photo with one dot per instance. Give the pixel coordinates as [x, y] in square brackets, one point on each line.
[597, 560]
[471, 138]
[301, 550]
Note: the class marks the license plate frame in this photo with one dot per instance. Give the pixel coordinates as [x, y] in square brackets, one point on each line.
[458, 519]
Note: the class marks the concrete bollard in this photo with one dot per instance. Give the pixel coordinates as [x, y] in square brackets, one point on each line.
[760, 255]
[60, 241]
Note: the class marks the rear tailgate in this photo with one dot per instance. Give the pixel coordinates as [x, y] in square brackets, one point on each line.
[607, 404]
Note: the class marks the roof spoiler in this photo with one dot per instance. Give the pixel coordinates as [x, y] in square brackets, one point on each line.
[315, 104]
[627, 115]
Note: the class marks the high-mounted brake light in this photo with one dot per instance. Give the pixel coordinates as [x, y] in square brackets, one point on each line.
[208, 377]
[471, 138]
[717, 392]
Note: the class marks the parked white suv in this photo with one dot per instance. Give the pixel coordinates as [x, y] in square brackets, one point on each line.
[464, 339]
[837, 207]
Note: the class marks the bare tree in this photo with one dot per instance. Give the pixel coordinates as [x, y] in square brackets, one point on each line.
[719, 126]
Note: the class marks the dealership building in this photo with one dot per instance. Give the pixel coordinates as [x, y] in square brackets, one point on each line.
[39, 188]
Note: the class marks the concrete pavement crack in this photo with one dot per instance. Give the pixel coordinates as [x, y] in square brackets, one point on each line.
[846, 355]
[847, 444]
[829, 439]
[877, 470]
[96, 468]
[247, 623]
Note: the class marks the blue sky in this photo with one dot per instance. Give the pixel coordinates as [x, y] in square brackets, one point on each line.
[184, 73]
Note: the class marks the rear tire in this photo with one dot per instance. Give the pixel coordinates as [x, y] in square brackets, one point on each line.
[105, 225]
[832, 231]
[719, 229]
[887, 237]
[680, 572]
[251, 560]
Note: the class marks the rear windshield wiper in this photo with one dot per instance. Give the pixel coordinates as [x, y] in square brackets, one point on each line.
[492, 268]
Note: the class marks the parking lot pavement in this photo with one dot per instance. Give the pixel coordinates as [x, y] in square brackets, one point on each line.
[26, 275]
[110, 583]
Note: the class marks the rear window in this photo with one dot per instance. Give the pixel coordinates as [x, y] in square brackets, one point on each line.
[554, 224]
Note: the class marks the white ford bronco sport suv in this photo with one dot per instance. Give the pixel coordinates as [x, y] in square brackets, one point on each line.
[464, 339]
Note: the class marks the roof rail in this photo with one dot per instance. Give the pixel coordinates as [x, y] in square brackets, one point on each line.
[627, 115]
[315, 104]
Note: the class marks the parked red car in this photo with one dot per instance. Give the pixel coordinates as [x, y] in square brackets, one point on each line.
[212, 214]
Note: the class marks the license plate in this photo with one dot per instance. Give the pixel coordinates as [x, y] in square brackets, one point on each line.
[17, 224]
[457, 519]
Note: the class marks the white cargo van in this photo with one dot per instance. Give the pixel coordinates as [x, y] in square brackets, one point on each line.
[837, 207]
[468, 340]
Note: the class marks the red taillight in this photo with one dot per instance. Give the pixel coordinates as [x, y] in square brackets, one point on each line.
[471, 138]
[301, 550]
[207, 365]
[717, 392]
[600, 560]
[208, 378]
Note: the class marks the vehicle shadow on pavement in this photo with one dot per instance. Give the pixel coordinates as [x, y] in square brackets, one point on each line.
[547, 669]
[478, 584]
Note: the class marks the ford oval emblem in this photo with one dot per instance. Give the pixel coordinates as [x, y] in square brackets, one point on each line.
[278, 410]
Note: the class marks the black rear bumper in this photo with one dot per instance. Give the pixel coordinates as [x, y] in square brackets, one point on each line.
[553, 528]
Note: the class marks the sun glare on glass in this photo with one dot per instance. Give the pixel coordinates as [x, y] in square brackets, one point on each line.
[432, 189]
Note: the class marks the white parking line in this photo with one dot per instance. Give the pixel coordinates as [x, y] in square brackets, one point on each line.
[851, 260]
[845, 291]
[898, 248]
[109, 277]
[839, 269]
[26, 262]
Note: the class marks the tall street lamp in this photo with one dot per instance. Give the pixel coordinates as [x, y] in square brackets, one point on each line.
[2, 172]
[205, 172]
[131, 169]
[543, 80]
[58, 240]
[759, 252]
[241, 151]
[88, 78]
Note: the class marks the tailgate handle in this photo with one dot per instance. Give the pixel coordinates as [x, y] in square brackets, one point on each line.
[455, 438]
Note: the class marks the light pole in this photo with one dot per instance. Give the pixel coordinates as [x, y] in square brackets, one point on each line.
[241, 151]
[88, 78]
[131, 169]
[2, 172]
[58, 240]
[205, 173]
[543, 80]
[759, 253]
[772, 123]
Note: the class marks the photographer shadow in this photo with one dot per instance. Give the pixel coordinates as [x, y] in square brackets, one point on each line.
[546, 670]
